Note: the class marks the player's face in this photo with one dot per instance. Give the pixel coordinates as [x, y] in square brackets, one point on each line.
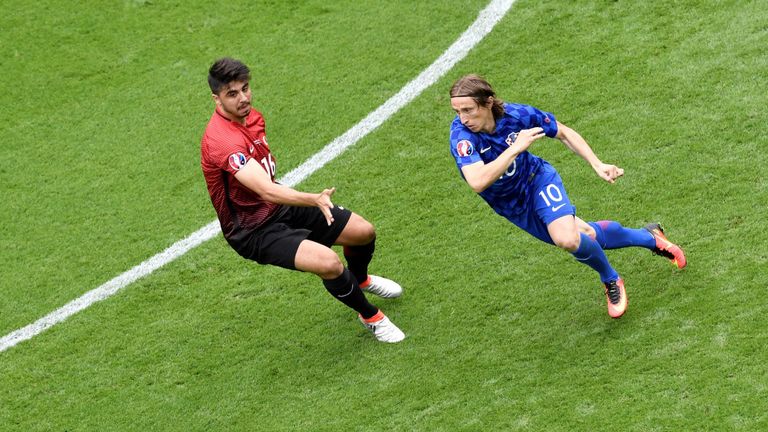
[234, 99]
[478, 118]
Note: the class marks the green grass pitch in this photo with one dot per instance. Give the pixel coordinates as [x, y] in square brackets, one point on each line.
[103, 104]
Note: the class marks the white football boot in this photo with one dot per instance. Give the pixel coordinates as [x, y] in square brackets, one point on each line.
[382, 287]
[383, 329]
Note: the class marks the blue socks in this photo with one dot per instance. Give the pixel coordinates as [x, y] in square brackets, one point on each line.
[611, 235]
[591, 254]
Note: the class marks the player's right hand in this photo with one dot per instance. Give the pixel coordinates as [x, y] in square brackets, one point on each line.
[325, 204]
[526, 137]
[609, 172]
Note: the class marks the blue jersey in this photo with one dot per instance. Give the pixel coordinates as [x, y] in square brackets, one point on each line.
[507, 196]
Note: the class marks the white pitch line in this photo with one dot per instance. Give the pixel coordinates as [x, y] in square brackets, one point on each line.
[485, 22]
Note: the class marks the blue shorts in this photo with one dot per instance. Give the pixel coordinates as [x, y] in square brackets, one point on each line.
[546, 201]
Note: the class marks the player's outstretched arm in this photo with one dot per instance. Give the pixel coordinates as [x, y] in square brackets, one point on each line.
[574, 141]
[254, 177]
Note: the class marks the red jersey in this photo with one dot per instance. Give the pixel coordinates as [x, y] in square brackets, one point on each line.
[225, 148]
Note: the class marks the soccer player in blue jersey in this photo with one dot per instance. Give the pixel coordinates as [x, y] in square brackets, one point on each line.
[490, 140]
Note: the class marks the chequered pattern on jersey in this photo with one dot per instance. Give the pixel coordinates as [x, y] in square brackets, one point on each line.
[507, 195]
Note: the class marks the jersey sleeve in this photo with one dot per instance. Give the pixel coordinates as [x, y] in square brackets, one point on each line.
[229, 155]
[533, 117]
[464, 148]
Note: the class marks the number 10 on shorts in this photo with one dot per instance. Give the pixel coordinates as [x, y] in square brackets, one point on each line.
[552, 195]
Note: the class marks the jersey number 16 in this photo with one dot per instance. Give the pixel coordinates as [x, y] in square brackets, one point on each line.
[269, 165]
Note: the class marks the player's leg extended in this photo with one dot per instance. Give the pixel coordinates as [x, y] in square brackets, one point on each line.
[612, 235]
[301, 240]
[316, 258]
[359, 241]
[358, 238]
[554, 208]
[566, 235]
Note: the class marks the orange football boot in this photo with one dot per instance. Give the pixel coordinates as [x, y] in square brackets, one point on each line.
[666, 248]
[616, 297]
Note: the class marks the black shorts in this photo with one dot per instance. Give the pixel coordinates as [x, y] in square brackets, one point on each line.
[277, 241]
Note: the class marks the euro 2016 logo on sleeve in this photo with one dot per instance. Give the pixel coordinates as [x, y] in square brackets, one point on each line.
[237, 161]
[465, 148]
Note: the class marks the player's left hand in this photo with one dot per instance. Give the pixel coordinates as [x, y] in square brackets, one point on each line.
[609, 172]
[325, 204]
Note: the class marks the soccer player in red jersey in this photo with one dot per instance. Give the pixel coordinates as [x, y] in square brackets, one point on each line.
[274, 224]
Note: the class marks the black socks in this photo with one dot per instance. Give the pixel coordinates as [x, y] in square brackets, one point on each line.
[346, 289]
[358, 258]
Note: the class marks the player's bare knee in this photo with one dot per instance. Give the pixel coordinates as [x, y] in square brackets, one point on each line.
[588, 230]
[568, 243]
[364, 232]
[358, 232]
[330, 267]
[368, 233]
